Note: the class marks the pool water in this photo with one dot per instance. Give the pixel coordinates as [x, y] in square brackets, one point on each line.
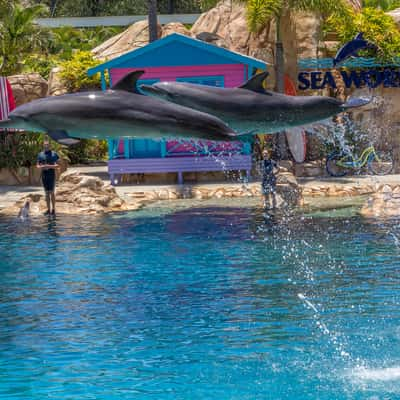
[212, 301]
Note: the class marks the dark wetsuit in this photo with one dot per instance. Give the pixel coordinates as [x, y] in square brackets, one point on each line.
[49, 175]
[269, 178]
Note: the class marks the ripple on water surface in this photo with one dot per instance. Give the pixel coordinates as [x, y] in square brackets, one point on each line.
[215, 301]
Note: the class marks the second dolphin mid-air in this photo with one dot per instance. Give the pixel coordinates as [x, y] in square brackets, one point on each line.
[250, 108]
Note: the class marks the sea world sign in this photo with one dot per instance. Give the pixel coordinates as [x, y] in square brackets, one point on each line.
[372, 78]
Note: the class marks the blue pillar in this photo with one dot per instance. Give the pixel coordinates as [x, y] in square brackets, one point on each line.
[246, 148]
[163, 148]
[110, 149]
[126, 148]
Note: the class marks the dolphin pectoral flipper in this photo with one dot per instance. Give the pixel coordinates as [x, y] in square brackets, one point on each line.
[255, 83]
[62, 137]
[129, 82]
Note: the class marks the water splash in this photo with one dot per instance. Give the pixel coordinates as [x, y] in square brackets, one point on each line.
[339, 346]
[378, 374]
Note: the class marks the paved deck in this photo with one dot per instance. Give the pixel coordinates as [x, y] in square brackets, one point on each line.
[10, 194]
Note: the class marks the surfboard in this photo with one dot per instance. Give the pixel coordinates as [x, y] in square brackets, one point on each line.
[296, 137]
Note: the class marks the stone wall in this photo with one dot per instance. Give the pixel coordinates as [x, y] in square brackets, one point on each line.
[384, 203]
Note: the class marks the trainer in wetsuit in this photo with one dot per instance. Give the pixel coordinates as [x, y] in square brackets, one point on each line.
[47, 163]
[268, 181]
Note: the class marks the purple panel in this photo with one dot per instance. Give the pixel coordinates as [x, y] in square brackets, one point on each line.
[198, 147]
[179, 164]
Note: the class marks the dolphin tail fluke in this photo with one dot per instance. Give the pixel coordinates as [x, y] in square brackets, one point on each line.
[356, 102]
[62, 137]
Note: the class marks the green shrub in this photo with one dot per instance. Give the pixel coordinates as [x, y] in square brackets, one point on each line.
[87, 150]
[40, 63]
[74, 72]
[21, 149]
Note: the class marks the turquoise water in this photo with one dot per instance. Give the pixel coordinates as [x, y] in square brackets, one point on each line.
[211, 302]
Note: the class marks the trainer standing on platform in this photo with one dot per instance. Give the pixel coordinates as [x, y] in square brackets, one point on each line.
[47, 163]
[268, 185]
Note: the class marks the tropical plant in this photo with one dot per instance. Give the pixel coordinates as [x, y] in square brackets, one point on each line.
[21, 149]
[19, 36]
[87, 150]
[65, 40]
[40, 63]
[377, 27]
[260, 12]
[74, 72]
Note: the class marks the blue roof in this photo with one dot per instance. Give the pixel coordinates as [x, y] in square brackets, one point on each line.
[178, 50]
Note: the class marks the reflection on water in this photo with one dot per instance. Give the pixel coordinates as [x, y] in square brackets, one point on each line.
[216, 301]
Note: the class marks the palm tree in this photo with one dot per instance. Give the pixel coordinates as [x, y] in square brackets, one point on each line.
[152, 18]
[18, 35]
[260, 13]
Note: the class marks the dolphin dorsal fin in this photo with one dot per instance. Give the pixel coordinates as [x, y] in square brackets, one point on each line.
[255, 83]
[129, 82]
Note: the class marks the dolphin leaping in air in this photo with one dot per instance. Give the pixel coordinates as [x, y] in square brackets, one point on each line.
[119, 112]
[251, 108]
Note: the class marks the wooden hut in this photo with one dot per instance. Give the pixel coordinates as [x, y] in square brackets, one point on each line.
[184, 59]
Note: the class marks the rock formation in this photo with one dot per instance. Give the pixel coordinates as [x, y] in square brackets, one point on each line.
[385, 203]
[174, 27]
[137, 35]
[56, 86]
[395, 14]
[228, 20]
[78, 194]
[27, 87]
